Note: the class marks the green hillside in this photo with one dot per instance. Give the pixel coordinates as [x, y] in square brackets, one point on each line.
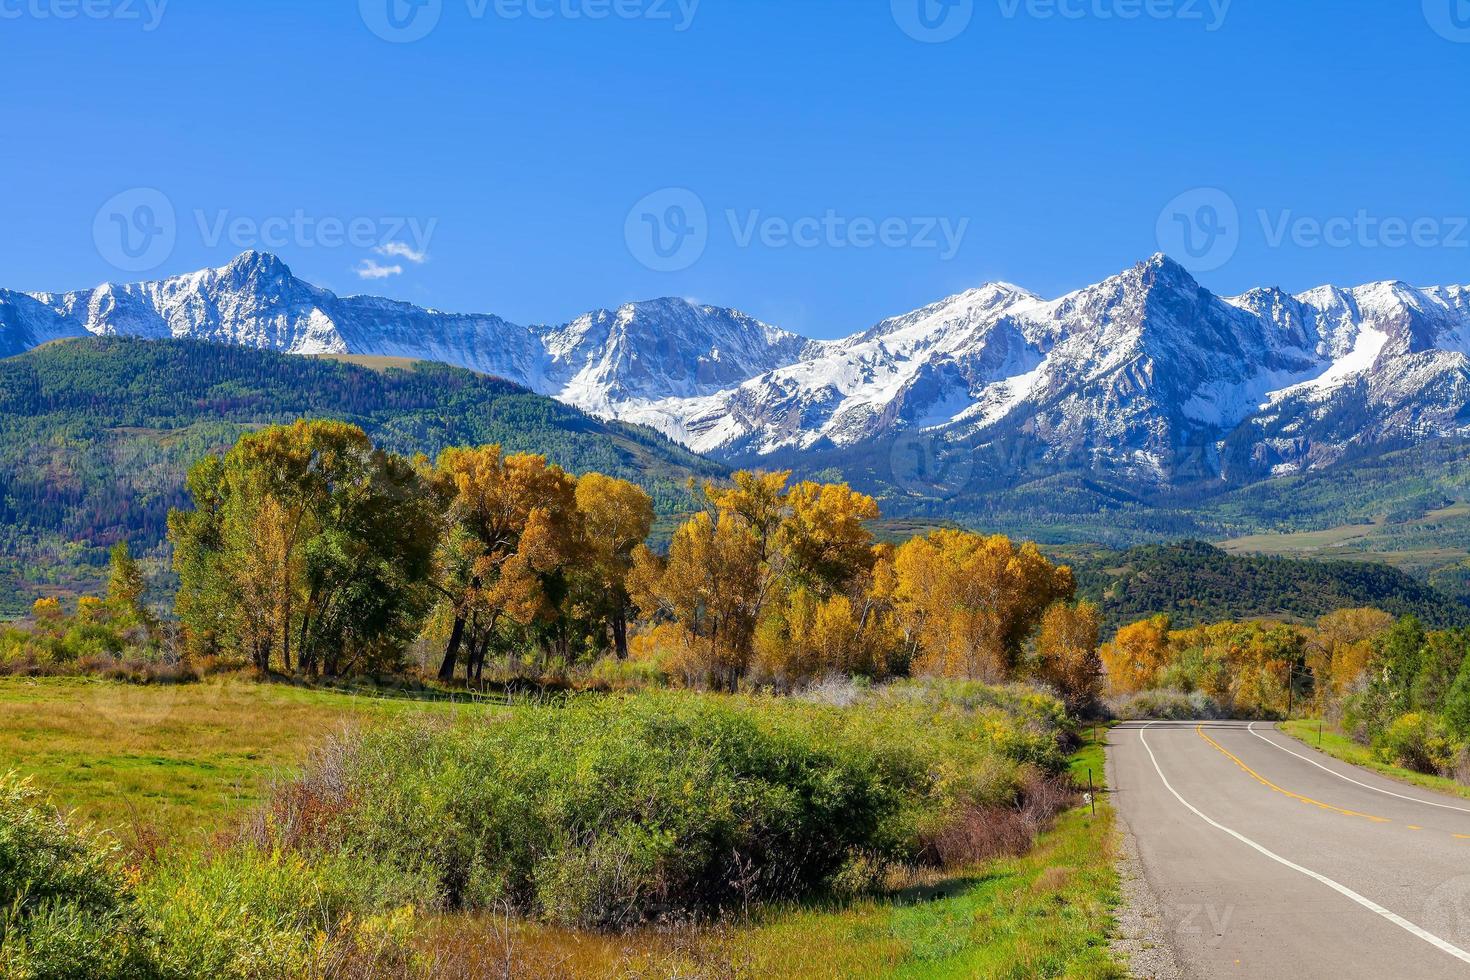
[96, 434]
[1197, 583]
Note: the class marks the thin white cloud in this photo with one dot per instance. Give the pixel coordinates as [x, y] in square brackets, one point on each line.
[400, 250]
[372, 270]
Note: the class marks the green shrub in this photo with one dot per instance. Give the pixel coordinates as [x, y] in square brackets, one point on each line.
[244, 915]
[66, 909]
[1417, 741]
[606, 812]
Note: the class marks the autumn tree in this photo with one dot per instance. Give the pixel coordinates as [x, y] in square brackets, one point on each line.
[1137, 655]
[772, 566]
[1340, 648]
[967, 603]
[1067, 653]
[616, 517]
[711, 585]
[511, 528]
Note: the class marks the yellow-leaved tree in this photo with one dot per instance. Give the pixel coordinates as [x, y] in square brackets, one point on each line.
[1067, 653]
[511, 526]
[1138, 655]
[617, 517]
[769, 575]
[967, 603]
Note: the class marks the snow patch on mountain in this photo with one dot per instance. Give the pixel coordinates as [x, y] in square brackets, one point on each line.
[1136, 372]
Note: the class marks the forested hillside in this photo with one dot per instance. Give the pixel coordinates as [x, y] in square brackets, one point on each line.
[1197, 583]
[96, 436]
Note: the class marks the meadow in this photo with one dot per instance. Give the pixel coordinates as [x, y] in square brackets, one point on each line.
[176, 772]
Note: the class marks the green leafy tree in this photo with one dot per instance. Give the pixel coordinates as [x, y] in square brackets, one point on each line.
[307, 548]
[1457, 703]
[125, 584]
[1440, 660]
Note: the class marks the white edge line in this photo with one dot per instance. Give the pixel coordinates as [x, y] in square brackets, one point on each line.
[1385, 792]
[1341, 889]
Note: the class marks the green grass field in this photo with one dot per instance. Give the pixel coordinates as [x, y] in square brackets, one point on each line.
[188, 761]
[176, 759]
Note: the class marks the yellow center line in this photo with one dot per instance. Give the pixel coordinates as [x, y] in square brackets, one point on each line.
[1200, 730]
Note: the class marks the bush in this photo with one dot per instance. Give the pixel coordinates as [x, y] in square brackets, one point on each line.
[66, 910]
[1417, 741]
[1166, 705]
[244, 915]
[607, 812]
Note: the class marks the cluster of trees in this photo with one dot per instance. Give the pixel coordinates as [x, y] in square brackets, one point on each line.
[1247, 668]
[1412, 700]
[311, 550]
[1198, 583]
[1396, 686]
[96, 633]
[97, 436]
[783, 584]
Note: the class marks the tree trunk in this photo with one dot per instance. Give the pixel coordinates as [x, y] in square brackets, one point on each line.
[451, 654]
[620, 634]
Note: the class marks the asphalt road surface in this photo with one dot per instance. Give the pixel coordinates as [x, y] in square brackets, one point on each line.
[1269, 859]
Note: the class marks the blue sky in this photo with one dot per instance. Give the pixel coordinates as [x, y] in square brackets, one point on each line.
[845, 170]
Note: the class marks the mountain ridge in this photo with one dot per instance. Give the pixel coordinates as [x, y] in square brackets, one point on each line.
[1146, 375]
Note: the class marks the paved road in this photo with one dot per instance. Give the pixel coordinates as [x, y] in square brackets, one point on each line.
[1270, 859]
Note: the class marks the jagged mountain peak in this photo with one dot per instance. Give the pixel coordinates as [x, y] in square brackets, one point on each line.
[1136, 372]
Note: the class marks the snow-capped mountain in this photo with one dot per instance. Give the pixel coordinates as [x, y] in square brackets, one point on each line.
[1147, 374]
[667, 348]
